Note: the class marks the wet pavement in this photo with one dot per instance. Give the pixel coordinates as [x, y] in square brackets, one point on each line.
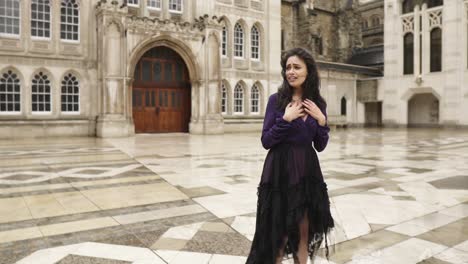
[397, 195]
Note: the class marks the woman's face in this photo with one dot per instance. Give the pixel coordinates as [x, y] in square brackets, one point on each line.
[296, 71]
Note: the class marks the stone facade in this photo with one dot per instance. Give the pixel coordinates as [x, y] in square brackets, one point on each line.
[329, 29]
[372, 22]
[332, 31]
[113, 36]
[425, 95]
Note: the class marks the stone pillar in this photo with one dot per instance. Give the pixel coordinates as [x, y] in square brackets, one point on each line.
[453, 104]
[112, 121]
[165, 9]
[207, 96]
[426, 41]
[417, 41]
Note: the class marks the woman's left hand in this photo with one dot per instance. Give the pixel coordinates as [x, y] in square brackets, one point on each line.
[313, 110]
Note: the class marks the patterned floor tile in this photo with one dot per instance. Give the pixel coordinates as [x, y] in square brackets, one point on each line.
[72, 259]
[457, 182]
[219, 243]
[448, 235]
[193, 202]
[200, 191]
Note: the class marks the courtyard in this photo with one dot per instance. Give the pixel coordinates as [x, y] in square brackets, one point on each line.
[397, 196]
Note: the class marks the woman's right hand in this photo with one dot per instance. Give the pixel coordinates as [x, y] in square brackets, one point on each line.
[293, 111]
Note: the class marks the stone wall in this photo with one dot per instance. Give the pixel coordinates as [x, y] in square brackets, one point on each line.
[329, 29]
[372, 19]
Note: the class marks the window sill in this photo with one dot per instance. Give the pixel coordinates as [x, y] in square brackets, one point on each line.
[10, 113]
[70, 113]
[67, 41]
[41, 113]
[175, 12]
[40, 39]
[9, 36]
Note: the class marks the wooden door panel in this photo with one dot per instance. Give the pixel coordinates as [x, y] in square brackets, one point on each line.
[161, 93]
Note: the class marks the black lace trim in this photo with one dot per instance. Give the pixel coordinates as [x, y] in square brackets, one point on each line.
[273, 223]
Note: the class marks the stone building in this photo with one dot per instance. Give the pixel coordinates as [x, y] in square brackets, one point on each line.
[332, 31]
[113, 68]
[426, 76]
[372, 21]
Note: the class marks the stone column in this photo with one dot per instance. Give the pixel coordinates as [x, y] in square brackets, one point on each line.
[165, 9]
[417, 41]
[213, 120]
[452, 106]
[209, 119]
[112, 121]
[426, 41]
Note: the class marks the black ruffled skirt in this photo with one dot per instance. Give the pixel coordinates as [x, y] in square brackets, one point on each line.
[292, 185]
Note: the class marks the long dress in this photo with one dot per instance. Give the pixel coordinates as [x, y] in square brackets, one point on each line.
[291, 185]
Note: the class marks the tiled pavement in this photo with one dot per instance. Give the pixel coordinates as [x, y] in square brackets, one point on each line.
[398, 196]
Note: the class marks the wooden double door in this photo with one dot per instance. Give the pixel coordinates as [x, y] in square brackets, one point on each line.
[161, 94]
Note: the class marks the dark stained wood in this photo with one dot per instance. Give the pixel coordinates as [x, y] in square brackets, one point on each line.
[161, 93]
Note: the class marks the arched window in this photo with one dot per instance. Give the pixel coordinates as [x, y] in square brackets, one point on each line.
[319, 45]
[223, 98]
[408, 60]
[239, 99]
[70, 94]
[40, 18]
[132, 2]
[175, 6]
[375, 21]
[224, 41]
[238, 41]
[436, 49]
[70, 20]
[255, 100]
[376, 41]
[41, 94]
[343, 106]
[433, 3]
[407, 6]
[365, 24]
[10, 17]
[255, 39]
[154, 4]
[10, 92]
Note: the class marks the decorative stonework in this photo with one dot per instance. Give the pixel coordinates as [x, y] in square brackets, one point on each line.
[408, 23]
[205, 21]
[150, 26]
[257, 5]
[239, 12]
[435, 18]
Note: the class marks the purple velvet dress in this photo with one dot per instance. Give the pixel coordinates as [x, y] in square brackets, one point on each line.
[291, 185]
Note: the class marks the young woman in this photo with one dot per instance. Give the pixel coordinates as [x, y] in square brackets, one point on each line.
[293, 209]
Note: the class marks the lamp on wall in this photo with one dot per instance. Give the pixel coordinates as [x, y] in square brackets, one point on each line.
[419, 79]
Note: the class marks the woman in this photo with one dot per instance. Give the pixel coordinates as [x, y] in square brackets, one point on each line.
[293, 209]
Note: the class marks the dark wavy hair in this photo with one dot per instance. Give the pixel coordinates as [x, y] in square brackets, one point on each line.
[311, 85]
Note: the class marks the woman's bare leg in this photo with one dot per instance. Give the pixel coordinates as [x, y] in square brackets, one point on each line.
[279, 259]
[302, 252]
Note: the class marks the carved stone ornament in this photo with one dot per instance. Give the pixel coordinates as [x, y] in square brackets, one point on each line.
[408, 24]
[435, 18]
[148, 25]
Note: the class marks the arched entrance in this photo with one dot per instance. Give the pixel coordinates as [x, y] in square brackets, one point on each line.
[161, 92]
[423, 110]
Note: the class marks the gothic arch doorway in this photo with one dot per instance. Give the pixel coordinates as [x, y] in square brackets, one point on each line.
[423, 110]
[161, 100]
